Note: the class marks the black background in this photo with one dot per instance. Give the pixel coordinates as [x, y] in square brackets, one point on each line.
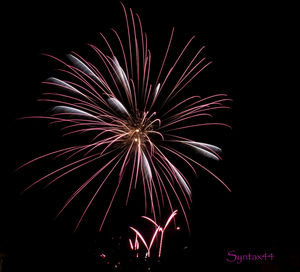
[248, 46]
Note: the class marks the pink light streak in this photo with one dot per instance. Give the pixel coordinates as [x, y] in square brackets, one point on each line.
[158, 229]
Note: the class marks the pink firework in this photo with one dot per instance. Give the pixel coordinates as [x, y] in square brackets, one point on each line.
[158, 229]
[138, 122]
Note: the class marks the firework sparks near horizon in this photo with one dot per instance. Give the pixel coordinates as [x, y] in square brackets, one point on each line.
[138, 120]
[158, 229]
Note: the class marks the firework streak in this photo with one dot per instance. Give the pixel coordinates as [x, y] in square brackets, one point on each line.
[138, 124]
[135, 246]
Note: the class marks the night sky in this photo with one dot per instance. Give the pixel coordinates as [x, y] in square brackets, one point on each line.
[245, 44]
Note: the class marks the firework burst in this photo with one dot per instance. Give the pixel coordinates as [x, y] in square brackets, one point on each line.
[138, 122]
[135, 245]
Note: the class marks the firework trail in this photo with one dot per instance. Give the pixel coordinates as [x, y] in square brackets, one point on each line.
[137, 122]
[158, 229]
